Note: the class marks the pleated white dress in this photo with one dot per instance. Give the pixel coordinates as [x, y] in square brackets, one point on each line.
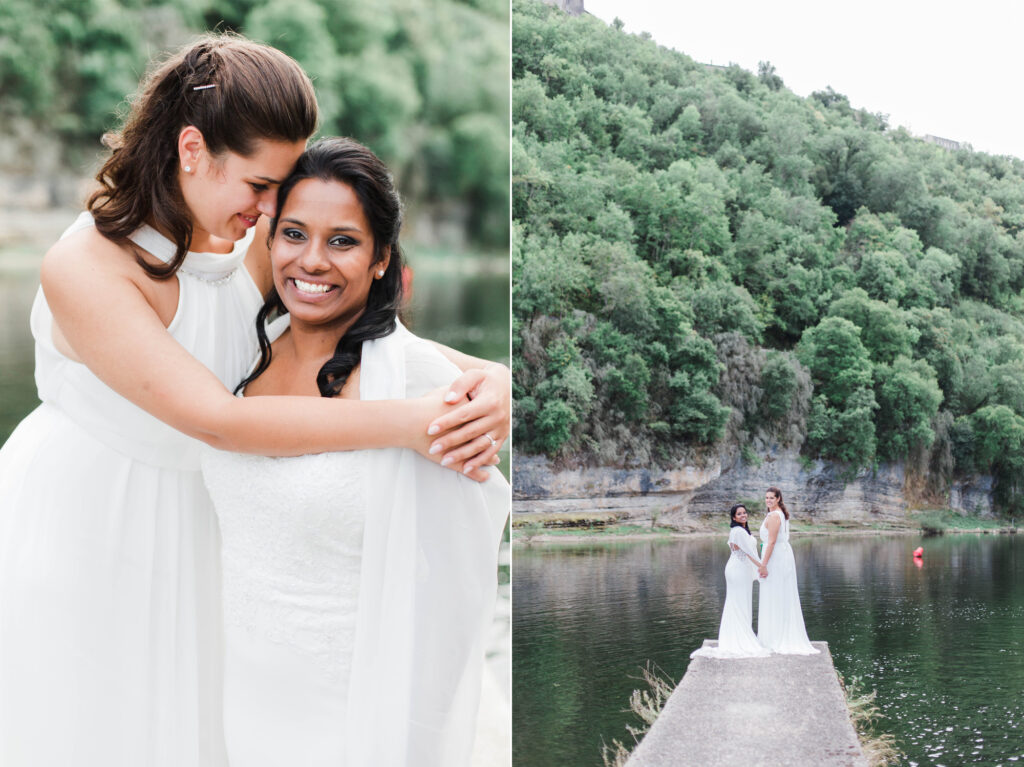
[110, 615]
[736, 637]
[780, 622]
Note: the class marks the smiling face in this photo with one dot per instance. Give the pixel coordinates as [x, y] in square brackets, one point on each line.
[227, 194]
[323, 255]
[771, 500]
[740, 515]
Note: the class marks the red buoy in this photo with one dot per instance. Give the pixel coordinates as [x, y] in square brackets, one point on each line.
[919, 552]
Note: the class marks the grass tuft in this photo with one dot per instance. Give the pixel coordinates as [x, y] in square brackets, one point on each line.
[879, 748]
[647, 703]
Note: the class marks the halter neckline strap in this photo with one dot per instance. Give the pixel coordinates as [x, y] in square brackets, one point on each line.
[205, 266]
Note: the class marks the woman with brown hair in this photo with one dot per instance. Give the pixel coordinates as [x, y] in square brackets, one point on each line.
[109, 551]
[780, 622]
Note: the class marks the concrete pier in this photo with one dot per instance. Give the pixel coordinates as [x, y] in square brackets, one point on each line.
[779, 711]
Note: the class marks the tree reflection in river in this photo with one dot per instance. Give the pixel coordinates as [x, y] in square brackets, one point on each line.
[943, 644]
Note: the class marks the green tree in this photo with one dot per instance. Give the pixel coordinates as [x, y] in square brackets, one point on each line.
[839, 364]
[845, 434]
[908, 399]
[779, 385]
[884, 330]
[998, 442]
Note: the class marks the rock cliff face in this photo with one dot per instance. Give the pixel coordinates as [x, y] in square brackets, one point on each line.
[817, 490]
[538, 487]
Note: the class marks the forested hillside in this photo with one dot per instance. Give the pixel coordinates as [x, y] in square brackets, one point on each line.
[705, 261]
[425, 84]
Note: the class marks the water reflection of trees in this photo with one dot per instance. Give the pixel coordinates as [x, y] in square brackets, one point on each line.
[596, 616]
[933, 640]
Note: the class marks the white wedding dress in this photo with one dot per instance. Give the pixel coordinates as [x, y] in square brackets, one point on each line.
[358, 588]
[736, 637]
[292, 531]
[780, 622]
[109, 553]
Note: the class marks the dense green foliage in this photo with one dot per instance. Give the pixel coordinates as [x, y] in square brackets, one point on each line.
[425, 84]
[700, 255]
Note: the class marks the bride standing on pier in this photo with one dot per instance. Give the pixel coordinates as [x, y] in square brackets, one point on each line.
[735, 636]
[780, 622]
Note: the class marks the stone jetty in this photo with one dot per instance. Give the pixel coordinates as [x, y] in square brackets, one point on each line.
[779, 711]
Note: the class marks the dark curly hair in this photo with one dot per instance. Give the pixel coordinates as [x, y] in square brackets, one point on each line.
[733, 522]
[259, 93]
[348, 162]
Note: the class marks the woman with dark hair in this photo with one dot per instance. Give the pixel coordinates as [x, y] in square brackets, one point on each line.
[109, 551]
[780, 622]
[735, 636]
[357, 586]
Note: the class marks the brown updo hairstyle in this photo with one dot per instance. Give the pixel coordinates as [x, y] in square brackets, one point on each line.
[778, 494]
[258, 93]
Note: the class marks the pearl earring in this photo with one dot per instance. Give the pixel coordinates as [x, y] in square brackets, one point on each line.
[380, 272]
[188, 168]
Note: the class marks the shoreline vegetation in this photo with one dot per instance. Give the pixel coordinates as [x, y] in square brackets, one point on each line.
[879, 747]
[647, 703]
[590, 527]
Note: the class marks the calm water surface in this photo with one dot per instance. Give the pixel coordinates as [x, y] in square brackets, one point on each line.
[942, 644]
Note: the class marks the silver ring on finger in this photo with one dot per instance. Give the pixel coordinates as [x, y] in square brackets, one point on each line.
[494, 442]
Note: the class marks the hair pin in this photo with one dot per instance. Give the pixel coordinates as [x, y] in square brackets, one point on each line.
[204, 87]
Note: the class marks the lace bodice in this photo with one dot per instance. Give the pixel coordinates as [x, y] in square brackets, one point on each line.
[740, 537]
[292, 531]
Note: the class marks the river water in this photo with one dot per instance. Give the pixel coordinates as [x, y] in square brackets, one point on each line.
[943, 644]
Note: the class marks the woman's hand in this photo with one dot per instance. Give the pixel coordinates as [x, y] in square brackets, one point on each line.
[762, 571]
[432, 405]
[471, 434]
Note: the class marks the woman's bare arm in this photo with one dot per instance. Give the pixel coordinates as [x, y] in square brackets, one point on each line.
[98, 299]
[773, 525]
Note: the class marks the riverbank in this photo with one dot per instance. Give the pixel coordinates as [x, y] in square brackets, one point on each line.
[570, 527]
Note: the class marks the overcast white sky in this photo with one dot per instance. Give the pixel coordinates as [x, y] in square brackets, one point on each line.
[952, 70]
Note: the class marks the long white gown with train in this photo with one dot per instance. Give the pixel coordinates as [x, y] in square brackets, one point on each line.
[780, 621]
[110, 613]
[358, 588]
[736, 637]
